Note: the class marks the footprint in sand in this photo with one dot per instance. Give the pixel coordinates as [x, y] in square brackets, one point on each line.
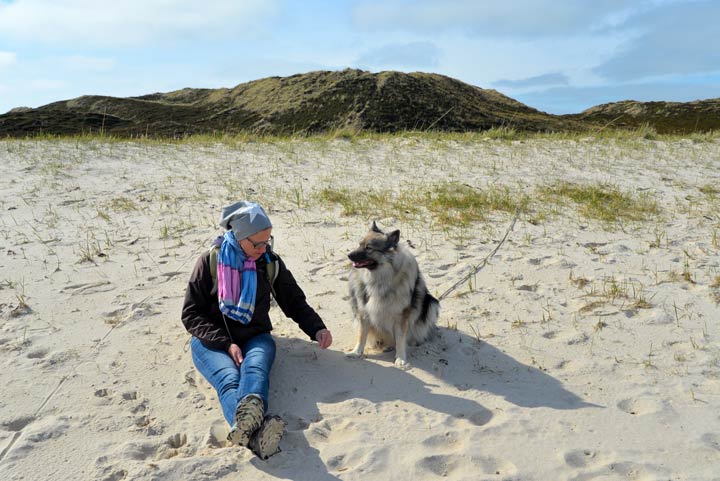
[17, 424]
[537, 260]
[439, 465]
[37, 354]
[32, 431]
[130, 395]
[480, 418]
[337, 397]
[49, 427]
[550, 334]
[459, 445]
[584, 458]
[344, 441]
[134, 450]
[443, 271]
[174, 445]
[711, 440]
[103, 392]
[490, 465]
[57, 358]
[640, 406]
[103, 396]
[88, 288]
[138, 403]
[623, 470]
[216, 436]
[177, 441]
[327, 431]
[450, 440]
[113, 474]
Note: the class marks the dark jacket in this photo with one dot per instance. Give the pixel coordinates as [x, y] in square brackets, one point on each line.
[202, 317]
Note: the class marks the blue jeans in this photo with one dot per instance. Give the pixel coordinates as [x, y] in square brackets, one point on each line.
[233, 383]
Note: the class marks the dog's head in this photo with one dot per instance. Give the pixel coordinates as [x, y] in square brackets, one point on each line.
[375, 248]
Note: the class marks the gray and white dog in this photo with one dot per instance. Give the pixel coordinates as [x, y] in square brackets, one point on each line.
[388, 295]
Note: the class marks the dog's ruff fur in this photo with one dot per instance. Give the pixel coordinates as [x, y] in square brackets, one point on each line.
[389, 298]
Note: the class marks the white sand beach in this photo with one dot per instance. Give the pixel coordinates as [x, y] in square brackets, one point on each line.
[581, 351]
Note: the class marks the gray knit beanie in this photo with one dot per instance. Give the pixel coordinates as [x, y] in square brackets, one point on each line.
[245, 218]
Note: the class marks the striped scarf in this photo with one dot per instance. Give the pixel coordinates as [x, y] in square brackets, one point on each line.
[236, 292]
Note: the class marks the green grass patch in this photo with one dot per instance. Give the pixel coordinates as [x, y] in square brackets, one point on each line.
[503, 133]
[602, 202]
[460, 204]
[123, 204]
[710, 190]
[449, 204]
[453, 204]
[381, 203]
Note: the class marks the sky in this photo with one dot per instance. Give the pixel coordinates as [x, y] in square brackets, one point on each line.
[558, 56]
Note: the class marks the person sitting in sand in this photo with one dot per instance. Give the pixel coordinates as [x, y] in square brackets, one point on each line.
[227, 313]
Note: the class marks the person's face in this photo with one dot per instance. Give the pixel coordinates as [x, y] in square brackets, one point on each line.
[256, 245]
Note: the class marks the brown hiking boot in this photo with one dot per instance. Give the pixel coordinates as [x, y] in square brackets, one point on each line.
[248, 418]
[266, 440]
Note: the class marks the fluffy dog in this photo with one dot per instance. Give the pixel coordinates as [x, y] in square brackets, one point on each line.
[388, 295]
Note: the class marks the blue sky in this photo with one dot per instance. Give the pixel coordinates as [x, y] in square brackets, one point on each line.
[560, 56]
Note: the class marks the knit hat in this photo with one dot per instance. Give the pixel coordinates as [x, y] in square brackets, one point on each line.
[245, 218]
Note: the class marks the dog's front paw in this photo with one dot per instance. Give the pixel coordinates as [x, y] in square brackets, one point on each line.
[402, 363]
[354, 354]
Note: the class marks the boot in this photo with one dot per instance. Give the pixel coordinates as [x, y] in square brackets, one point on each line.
[266, 440]
[248, 418]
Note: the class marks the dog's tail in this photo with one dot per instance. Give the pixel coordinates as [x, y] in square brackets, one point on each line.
[425, 325]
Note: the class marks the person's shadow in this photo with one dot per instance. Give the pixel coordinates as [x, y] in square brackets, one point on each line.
[304, 375]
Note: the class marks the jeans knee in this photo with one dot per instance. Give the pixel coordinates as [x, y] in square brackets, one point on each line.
[226, 380]
[261, 347]
[271, 347]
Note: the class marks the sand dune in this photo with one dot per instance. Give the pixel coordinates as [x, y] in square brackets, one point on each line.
[582, 350]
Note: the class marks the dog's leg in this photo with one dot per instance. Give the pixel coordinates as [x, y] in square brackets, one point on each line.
[363, 330]
[401, 335]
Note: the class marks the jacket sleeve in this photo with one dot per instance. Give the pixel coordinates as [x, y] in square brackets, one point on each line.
[196, 314]
[293, 303]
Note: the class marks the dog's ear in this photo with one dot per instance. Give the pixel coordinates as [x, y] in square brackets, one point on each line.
[393, 238]
[374, 228]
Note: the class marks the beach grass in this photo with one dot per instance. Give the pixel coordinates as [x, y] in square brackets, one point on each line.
[501, 133]
[450, 204]
[603, 202]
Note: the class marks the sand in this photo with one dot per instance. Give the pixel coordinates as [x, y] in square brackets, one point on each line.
[580, 351]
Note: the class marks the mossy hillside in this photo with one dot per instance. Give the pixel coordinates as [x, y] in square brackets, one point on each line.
[663, 117]
[356, 100]
[299, 104]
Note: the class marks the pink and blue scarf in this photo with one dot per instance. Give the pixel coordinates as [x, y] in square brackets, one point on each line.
[237, 280]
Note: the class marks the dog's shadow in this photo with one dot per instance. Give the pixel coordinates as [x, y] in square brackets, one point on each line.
[468, 363]
[305, 376]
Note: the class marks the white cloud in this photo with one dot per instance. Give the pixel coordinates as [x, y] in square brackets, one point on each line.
[7, 59]
[678, 39]
[90, 23]
[544, 80]
[492, 17]
[483, 62]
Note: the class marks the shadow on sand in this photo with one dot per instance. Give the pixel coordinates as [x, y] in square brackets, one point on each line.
[304, 376]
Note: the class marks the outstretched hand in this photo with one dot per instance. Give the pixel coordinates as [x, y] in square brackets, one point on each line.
[236, 354]
[324, 338]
